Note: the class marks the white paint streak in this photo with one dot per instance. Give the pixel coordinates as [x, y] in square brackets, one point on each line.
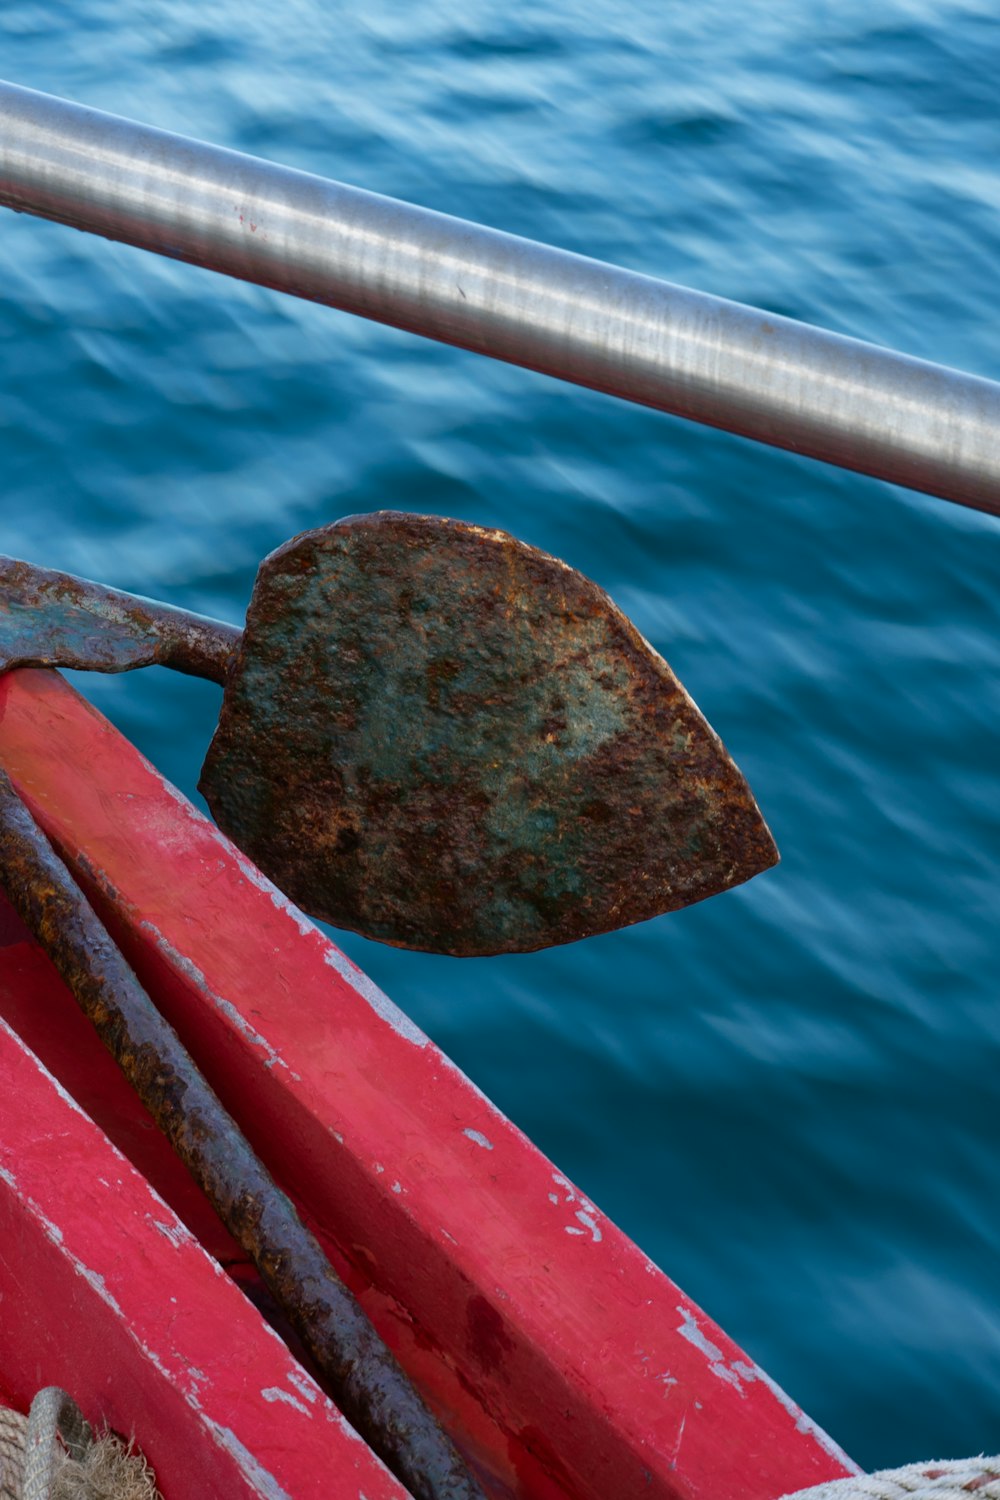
[590, 1223]
[479, 1138]
[806, 1424]
[228, 1009]
[376, 998]
[677, 1444]
[278, 898]
[267, 1486]
[93, 1278]
[306, 1388]
[691, 1331]
[585, 1215]
[176, 1232]
[275, 1393]
[191, 1398]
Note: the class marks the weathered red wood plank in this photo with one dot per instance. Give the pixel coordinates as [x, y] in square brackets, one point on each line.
[561, 1358]
[104, 1292]
[37, 1005]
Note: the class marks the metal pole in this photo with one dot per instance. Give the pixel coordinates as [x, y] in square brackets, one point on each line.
[713, 361]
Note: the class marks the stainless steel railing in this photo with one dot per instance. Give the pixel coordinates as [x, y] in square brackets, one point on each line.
[766, 377]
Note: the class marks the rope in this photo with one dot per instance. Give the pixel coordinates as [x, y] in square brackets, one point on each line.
[13, 1431]
[52, 1413]
[952, 1479]
[34, 1465]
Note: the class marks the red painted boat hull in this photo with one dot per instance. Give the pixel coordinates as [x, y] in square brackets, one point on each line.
[562, 1361]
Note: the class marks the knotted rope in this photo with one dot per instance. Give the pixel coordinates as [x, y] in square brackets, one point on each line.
[951, 1479]
[34, 1465]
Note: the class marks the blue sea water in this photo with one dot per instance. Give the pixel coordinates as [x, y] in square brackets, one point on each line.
[789, 1095]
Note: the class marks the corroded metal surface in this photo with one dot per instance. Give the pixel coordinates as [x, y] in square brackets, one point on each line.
[446, 739]
[50, 619]
[362, 1375]
[433, 734]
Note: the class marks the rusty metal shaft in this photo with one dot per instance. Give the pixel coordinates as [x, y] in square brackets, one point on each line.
[50, 619]
[701, 357]
[362, 1375]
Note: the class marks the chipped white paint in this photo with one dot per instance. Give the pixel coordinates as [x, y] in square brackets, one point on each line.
[376, 998]
[306, 1388]
[564, 1182]
[147, 1352]
[570, 1193]
[589, 1222]
[177, 1233]
[378, 1167]
[267, 1486]
[94, 1279]
[397, 1187]
[275, 1393]
[479, 1138]
[802, 1422]
[586, 1214]
[690, 1329]
[278, 898]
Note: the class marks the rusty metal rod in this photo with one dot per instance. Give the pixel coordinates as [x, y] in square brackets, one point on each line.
[50, 619]
[704, 358]
[363, 1376]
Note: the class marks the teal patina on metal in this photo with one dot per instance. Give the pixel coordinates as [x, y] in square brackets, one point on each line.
[449, 740]
[50, 619]
[433, 734]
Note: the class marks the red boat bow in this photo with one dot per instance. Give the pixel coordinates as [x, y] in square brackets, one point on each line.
[561, 1360]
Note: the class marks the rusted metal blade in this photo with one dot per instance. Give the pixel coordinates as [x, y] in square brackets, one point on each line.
[359, 1370]
[50, 619]
[446, 739]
